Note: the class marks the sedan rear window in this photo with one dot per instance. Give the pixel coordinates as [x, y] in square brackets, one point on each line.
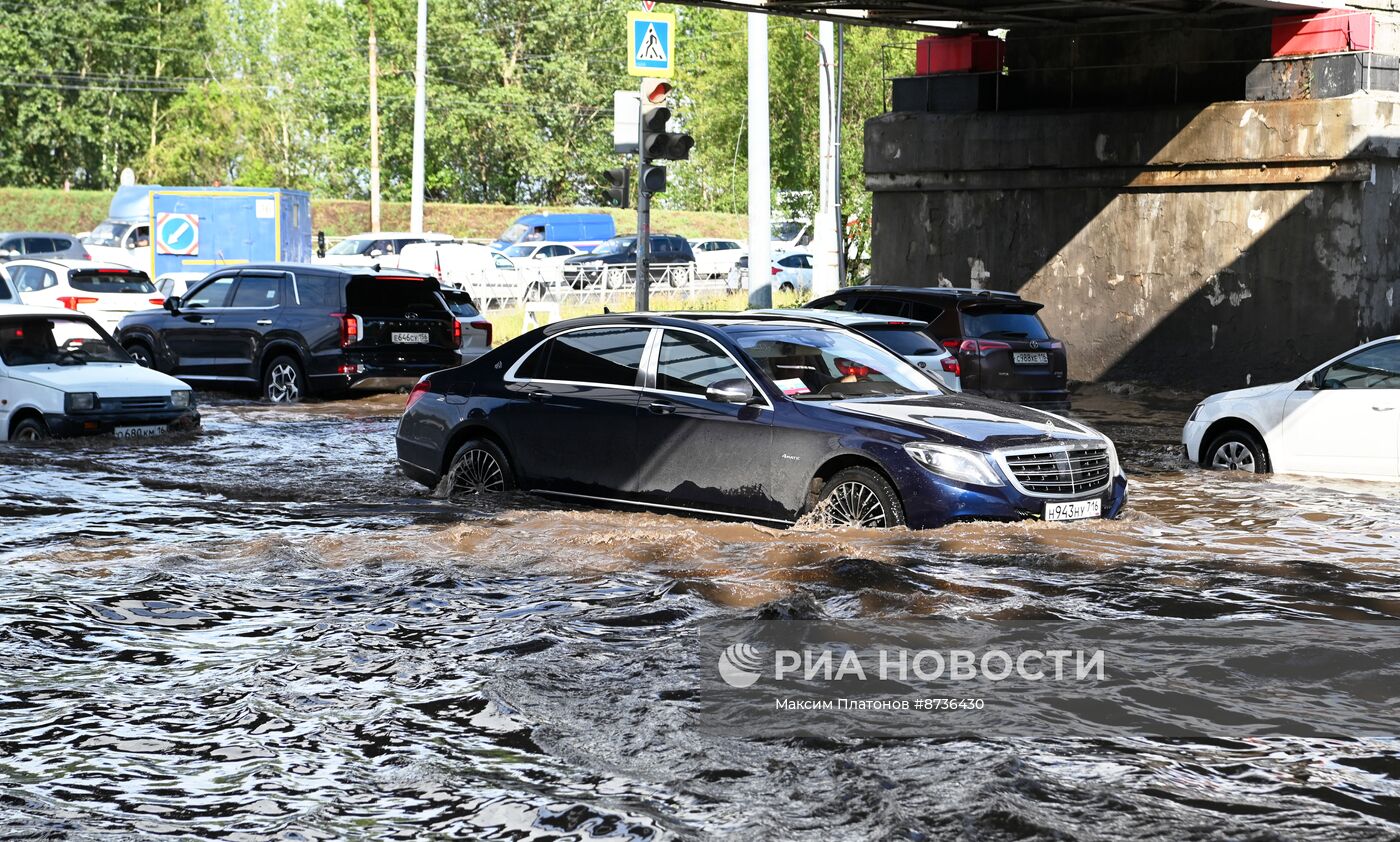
[110, 280]
[983, 324]
[460, 303]
[907, 342]
[606, 356]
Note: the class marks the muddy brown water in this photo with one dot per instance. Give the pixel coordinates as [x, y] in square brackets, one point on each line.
[263, 631]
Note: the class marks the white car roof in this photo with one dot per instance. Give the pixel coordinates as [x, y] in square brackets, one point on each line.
[400, 235]
[26, 310]
[538, 243]
[73, 263]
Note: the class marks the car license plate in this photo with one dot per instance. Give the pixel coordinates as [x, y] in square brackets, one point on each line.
[134, 432]
[1074, 510]
[1030, 358]
[409, 338]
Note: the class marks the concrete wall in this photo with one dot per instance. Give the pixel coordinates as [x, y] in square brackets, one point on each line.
[1201, 247]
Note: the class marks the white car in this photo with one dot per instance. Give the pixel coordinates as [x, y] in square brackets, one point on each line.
[382, 249]
[62, 375]
[714, 257]
[791, 272]
[173, 284]
[488, 276]
[104, 291]
[547, 254]
[1341, 419]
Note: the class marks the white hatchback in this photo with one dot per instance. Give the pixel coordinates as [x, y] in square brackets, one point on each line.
[1341, 419]
[62, 375]
[104, 291]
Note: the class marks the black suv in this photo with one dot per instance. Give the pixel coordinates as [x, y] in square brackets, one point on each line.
[1002, 346]
[294, 329]
[613, 262]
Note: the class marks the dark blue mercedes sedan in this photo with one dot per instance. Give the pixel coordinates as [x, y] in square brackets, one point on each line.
[746, 415]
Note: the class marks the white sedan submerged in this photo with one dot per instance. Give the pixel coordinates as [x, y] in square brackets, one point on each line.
[63, 375]
[1341, 419]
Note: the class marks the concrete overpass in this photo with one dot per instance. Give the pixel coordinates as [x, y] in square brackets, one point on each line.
[1198, 200]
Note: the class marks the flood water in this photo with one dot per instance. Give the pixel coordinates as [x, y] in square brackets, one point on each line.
[263, 631]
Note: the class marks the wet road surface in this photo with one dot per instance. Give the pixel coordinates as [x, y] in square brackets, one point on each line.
[263, 631]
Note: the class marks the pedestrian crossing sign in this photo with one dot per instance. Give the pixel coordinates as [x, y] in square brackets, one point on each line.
[651, 44]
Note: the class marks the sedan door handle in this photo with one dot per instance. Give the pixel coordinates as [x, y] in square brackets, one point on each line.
[538, 395]
[1382, 408]
[264, 321]
[206, 321]
[662, 408]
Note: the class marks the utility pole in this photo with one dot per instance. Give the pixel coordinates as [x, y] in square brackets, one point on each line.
[825, 227]
[642, 299]
[841, 278]
[420, 108]
[760, 180]
[373, 123]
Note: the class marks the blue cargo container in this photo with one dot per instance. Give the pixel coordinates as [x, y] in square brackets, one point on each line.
[198, 229]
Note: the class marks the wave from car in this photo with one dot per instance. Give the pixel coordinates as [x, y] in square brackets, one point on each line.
[63, 375]
[746, 415]
[1342, 419]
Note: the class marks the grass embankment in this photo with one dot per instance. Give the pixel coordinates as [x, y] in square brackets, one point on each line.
[26, 209]
[506, 323]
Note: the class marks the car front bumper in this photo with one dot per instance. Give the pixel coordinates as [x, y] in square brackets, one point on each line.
[102, 423]
[931, 501]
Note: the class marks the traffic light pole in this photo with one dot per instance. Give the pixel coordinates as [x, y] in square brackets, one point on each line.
[642, 302]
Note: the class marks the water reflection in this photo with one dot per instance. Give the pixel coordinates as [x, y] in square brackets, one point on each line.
[262, 630]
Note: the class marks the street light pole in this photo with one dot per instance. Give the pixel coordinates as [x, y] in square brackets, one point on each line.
[420, 108]
[760, 180]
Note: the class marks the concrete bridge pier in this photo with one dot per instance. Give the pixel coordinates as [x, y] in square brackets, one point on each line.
[1211, 218]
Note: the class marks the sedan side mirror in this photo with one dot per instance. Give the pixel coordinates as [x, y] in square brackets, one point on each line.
[8, 254]
[376, 252]
[1319, 379]
[737, 390]
[172, 304]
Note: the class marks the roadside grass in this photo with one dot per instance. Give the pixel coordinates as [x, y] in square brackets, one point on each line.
[506, 323]
[37, 209]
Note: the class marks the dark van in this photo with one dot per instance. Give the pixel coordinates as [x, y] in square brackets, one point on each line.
[293, 330]
[1001, 344]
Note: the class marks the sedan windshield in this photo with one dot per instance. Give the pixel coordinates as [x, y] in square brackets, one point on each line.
[56, 340]
[520, 251]
[351, 247]
[617, 245]
[816, 363]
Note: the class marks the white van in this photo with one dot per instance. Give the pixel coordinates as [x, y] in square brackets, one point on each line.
[63, 375]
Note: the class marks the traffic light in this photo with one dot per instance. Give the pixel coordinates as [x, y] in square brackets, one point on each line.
[619, 181]
[656, 142]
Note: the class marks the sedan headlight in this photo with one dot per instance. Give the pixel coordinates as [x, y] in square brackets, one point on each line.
[1115, 466]
[180, 399]
[953, 462]
[79, 401]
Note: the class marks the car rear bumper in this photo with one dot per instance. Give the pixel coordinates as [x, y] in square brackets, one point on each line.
[102, 423]
[364, 377]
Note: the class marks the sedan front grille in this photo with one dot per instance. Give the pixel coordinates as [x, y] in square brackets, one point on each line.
[135, 404]
[1061, 471]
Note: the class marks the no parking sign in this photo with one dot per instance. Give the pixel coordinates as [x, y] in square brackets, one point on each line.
[177, 233]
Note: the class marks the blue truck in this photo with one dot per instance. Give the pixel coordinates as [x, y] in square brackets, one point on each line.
[583, 230]
[168, 230]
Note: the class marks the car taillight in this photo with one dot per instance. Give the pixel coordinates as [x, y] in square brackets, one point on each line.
[953, 345]
[486, 326]
[349, 329]
[982, 346]
[72, 301]
[776, 270]
[952, 366]
[421, 388]
[457, 331]
[156, 301]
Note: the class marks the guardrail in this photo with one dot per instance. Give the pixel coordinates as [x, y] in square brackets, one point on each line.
[612, 284]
